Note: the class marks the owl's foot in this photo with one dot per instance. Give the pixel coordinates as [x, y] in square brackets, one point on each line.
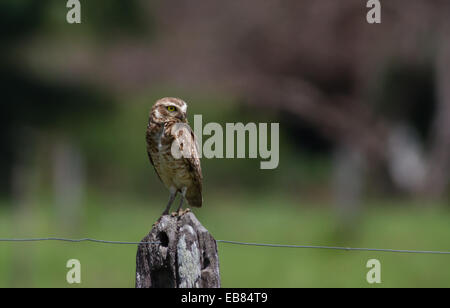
[180, 212]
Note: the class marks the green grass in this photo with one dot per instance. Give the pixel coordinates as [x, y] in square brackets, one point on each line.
[266, 220]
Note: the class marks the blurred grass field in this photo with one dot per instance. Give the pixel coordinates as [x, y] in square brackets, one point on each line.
[239, 218]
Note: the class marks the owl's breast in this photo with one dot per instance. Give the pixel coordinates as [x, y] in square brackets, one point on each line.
[173, 172]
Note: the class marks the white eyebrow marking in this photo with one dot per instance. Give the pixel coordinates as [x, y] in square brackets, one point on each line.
[184, 107]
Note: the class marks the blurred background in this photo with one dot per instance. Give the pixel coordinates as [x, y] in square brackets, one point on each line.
[364, 113]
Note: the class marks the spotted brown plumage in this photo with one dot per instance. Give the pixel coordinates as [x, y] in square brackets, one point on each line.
[168, 130]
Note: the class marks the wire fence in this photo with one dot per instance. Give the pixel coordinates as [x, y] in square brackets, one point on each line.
[58, 239]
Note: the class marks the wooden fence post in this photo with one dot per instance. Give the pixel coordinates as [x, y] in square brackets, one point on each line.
[185, 257]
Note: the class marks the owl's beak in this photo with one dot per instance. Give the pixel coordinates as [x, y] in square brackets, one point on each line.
[182, 118]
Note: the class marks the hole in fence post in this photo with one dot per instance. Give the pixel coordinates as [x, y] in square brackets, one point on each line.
[206, 263]
[163, 239]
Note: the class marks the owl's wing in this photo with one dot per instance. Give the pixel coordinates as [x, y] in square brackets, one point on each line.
[151, 161]
[192, 161]
[194, 193]
[148, 138]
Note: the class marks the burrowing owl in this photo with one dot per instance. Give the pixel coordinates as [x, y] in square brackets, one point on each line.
[168, 130]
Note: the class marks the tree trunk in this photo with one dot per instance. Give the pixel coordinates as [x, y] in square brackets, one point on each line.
[185, 256]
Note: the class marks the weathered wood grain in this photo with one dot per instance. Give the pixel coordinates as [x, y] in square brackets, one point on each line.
[186, 256]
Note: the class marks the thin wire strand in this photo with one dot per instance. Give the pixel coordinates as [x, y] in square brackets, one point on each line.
[337, 248]
[229, 242]
[57, 239]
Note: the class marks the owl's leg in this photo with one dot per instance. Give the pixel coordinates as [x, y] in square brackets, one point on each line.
[180, 207]
[173, 194]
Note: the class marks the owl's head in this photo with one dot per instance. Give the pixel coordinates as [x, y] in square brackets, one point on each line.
[169, 109]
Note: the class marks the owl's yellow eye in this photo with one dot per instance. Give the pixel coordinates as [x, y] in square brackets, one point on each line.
[171, 108]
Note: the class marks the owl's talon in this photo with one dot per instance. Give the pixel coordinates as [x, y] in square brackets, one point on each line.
[181, 212]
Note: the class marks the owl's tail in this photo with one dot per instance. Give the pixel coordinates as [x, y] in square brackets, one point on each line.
[194, 198]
